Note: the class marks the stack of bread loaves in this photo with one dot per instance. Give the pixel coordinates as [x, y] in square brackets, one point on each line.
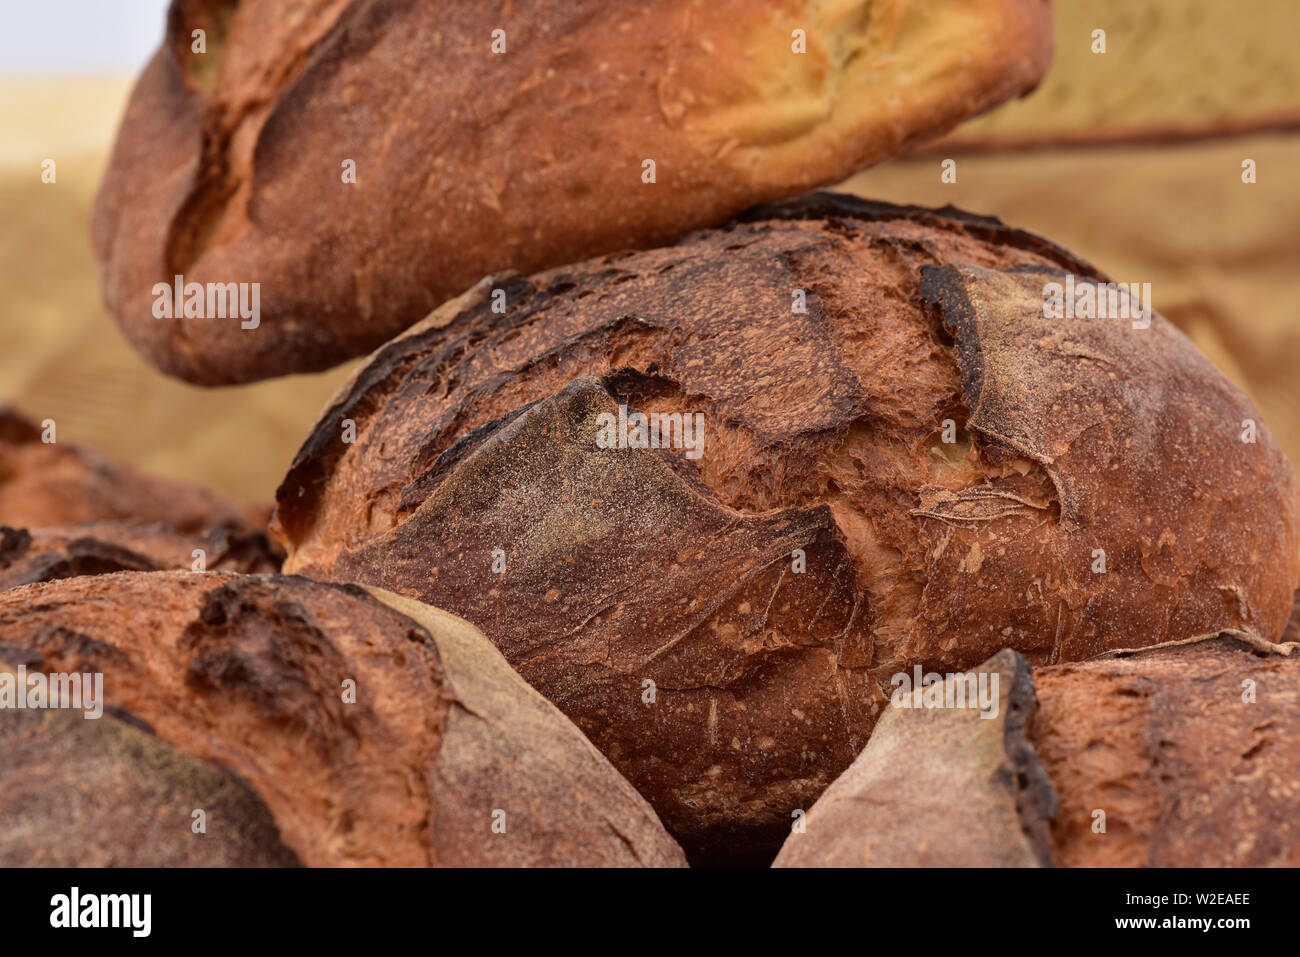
[704, 503]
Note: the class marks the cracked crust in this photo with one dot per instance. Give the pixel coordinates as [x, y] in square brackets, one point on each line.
[1190, 751]
[469, 161]
[475, 432]
[249, 672]
[99, 548]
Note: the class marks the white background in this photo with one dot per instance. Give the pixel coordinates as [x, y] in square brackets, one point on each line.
[78, 37]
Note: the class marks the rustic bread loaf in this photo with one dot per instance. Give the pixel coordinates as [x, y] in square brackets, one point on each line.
[97, 548]
[1179, 756]
[375, 730]
[59, 483]
[721, 626]
[470, 149]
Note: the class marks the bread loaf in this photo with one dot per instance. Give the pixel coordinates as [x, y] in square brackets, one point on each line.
[944, 786]
[721, 617]
[44, 482]
[107, 793]
[362, 161]
[1185, 756]
[375, 731]
[1180, 756]
[98, 548]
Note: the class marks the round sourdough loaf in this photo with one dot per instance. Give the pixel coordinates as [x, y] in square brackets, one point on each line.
[362, 160]
[374, 730]
[901, 462]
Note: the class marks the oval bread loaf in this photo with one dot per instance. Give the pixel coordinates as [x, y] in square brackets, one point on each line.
[376, 731]
[363, 160]
[898, 460]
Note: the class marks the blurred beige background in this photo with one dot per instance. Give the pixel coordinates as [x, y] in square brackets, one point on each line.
[1149, 206]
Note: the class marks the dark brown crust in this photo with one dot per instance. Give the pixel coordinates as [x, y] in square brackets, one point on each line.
[710, 687]
[99, 548]
[939, 788]
[104, 793]
[469, 439]
[1191, 752]
[249, 672]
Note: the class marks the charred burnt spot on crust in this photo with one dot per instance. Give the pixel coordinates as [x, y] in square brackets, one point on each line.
[825, 204]
[1035, 798]
[14, 543]
[632, 386]
[251, 641]
[85, 556]
[944, 294]
[828, 206]
[229, 543]
[130, 718]
[60, 646]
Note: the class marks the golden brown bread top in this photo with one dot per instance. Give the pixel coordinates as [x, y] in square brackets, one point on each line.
[250, 673]
[228, 165]
[475, 433]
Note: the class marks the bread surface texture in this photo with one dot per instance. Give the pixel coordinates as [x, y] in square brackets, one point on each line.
[364, 160]
[1191, 754]
[374, 731]
[1179, 756]
[99, 548]
[724, 625]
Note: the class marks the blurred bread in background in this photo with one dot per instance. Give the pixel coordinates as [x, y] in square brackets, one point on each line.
[62, 356]
[1220, 254]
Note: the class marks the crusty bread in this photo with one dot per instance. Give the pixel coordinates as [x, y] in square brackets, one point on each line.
[1191, 752]
[107, 793]
[1181, 756]
[442, 755]
[476, 483]
[229, 164]
[97, 548]
[939, 787]
[60, 483]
